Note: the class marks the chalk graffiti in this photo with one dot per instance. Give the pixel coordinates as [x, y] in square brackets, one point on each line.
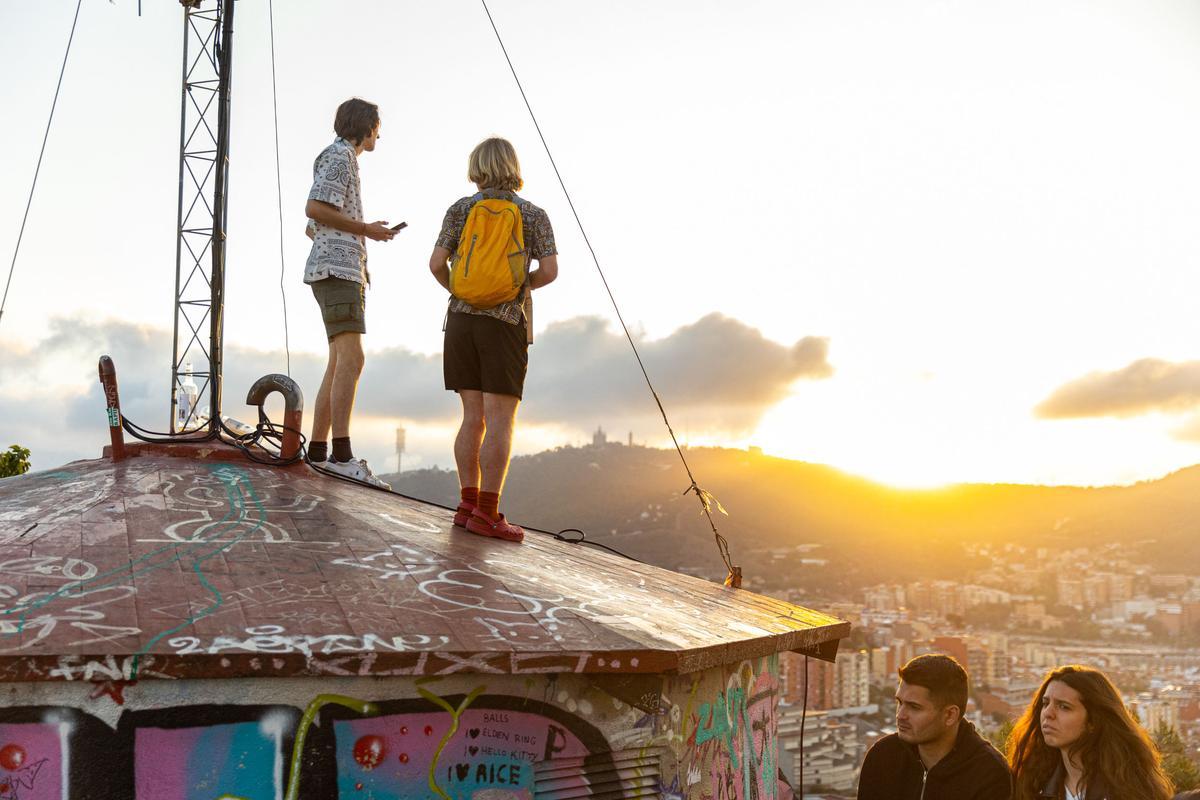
[84, 612]
[68, 569]
[274, 639]
[52, 497]
[205, 542]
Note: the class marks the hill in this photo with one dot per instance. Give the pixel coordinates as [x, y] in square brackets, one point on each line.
[785, 517]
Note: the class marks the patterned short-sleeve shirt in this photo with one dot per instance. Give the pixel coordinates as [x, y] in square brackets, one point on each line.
[539, 243]
[337, 254]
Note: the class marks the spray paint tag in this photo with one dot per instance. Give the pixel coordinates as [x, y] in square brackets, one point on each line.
[114, 417]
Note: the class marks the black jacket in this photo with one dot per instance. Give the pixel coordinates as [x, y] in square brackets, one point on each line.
[1054, 786]
[973, 770]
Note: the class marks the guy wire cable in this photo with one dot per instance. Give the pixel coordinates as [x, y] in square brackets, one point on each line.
[287, 348]
[803, 719]
[734, 578]
[38, 169]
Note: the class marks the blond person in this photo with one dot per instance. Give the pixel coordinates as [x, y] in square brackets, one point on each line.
[485, 354]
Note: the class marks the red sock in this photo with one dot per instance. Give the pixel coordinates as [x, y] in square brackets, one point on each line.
[470, 494]
[489, 504]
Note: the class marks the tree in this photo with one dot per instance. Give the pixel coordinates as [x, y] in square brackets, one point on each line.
[1182, 771]
[999, 737]
[14, 462]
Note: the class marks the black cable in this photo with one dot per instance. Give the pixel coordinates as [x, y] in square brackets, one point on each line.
[287, 347]
[38, 169]
[706, 498]
[268, 431]
[584, 540]
[803, 719]
[265, 431]
[559, 535]
[158, 437]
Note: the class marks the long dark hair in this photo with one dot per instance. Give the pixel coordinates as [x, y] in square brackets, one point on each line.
[1115, 751]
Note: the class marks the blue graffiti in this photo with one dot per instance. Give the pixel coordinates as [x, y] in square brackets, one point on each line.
[202, 546]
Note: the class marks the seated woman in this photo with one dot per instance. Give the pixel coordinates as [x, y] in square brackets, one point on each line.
[1077, 741]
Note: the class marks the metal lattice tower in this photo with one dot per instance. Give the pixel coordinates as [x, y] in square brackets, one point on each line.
[203, 210]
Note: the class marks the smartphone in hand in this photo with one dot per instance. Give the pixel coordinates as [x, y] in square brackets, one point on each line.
[398, 227]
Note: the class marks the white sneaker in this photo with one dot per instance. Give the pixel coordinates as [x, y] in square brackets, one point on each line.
[355, 469]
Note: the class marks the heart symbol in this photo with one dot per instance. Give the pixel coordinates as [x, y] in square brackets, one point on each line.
[462, 770]
[472, 749]
[473, 733]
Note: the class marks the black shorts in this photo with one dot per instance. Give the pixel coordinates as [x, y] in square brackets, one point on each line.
[484, 354]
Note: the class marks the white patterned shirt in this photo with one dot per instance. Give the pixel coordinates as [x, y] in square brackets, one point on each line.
[337, 254]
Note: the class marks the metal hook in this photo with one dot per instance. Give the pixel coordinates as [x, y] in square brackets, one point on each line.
[293, 408]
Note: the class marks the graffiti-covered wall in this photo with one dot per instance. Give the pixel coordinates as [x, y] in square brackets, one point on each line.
[708, 736]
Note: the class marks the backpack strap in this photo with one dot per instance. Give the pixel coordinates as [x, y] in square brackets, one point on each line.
[475, 198]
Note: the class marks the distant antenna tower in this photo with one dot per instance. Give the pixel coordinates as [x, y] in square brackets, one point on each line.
[399, 447]
[203, 210]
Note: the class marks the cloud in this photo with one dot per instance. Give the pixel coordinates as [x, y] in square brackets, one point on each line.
[717, 374]
[1144, 386]
[1189, 431]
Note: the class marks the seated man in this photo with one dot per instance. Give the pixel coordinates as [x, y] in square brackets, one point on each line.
[486, 345]
[935, 754]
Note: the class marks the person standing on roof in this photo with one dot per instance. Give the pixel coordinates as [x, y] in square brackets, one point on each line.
[482, 257]
[337, 272]
[935, 754]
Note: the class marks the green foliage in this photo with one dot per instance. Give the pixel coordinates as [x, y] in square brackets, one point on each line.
[1182, 771]
[15, 461]
[999, 737]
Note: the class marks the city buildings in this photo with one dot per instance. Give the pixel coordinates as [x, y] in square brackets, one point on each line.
[1010, 619]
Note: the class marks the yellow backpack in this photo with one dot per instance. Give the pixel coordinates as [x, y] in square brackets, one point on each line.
[489, 267]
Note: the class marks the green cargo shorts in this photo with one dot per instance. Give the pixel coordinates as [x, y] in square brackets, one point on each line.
[343, 306]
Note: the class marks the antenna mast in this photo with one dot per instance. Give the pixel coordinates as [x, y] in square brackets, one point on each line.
[203, 214]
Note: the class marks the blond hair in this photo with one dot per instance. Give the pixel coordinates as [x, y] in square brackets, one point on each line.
[493, 165]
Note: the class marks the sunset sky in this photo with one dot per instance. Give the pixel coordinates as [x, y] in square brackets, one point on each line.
[924, 242]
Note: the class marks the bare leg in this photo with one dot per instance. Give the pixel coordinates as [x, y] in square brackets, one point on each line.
[470, 435]
[500, 414]
[348, 354]
[322, 409]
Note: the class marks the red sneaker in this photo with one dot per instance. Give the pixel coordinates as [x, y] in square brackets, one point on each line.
[499, 529]
[462, 514]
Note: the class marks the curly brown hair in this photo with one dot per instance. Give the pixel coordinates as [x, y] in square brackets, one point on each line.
[1116, 751]
[355, 119]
